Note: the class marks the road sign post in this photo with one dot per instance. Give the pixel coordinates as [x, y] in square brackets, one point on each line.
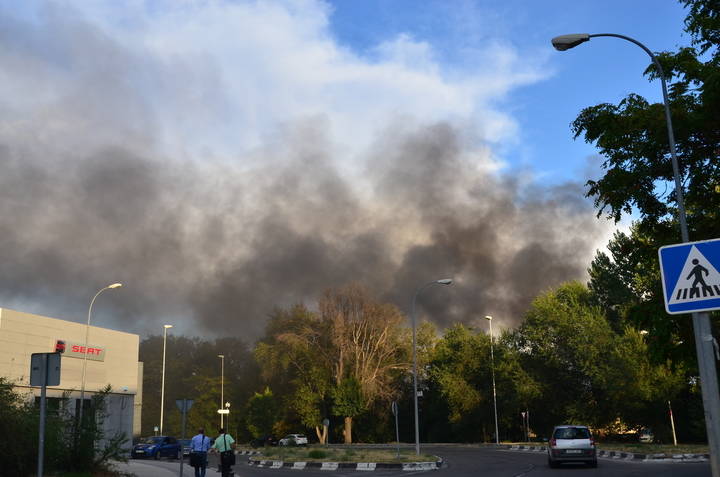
[691, 284]
[394, 409]
[184, 406]
[44, 372]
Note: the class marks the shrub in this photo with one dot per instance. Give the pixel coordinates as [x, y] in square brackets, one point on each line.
[317, 454]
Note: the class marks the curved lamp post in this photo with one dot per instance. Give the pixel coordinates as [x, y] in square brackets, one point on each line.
[444, 281]
[162, 386]
[492, 366]
[87, 334]
[701, 321]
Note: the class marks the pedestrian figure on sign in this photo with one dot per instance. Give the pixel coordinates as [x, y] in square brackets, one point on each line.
[698, 271]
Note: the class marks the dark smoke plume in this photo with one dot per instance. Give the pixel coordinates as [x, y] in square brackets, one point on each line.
[87, 198]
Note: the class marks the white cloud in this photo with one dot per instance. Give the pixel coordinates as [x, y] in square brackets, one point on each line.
[218, 78]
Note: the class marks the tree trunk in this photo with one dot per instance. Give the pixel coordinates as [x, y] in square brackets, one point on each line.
[348, 430]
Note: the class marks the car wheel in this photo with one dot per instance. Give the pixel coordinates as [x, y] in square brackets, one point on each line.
[157, 455]
[551, 463]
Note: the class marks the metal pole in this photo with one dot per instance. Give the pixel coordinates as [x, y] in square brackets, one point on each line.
[414, 354]
[162, 385]
[87, 334]
[672, 424]
[182, 433]
[492, 366]
[41, 438]
[222, 387]
[444, 281]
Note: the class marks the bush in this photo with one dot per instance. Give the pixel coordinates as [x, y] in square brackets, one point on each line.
[67, 447]
[317, 454]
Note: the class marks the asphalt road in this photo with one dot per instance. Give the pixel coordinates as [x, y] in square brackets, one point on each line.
[473, 461]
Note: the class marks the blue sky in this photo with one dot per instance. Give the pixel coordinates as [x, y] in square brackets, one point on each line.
[604, 70]
[219, 155]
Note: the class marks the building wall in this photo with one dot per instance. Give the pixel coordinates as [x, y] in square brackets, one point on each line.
[22, 334]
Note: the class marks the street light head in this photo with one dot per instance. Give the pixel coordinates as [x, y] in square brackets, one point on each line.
[167, 326]
[488, 317]
[221, 356]
[115, 285]
[565, 42]
[445, 281]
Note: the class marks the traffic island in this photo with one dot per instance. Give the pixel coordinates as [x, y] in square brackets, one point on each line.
[363, 466]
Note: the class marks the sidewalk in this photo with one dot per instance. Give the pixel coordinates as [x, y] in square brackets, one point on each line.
[144, 469]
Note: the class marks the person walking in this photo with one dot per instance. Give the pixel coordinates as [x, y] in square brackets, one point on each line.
[199, 446]
[225, 445]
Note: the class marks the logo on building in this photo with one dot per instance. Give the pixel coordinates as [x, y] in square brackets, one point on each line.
[79, 350]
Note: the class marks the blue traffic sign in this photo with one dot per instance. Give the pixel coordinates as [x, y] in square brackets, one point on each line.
[690, 277]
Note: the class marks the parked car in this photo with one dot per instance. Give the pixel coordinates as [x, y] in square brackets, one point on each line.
[293, 440]
[646, 435]
[155, 447]
[264, 441]
[571, 443]
[185, 443]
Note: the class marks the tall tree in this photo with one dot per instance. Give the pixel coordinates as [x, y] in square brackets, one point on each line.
[353, 339]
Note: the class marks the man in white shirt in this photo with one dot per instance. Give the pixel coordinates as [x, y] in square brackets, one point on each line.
[199, 445]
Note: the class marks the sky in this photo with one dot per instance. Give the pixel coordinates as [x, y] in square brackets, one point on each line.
[224, 158]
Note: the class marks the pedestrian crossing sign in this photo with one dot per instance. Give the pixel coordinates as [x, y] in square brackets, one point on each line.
[691, 276]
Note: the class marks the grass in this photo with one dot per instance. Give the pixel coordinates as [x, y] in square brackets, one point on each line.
[324, 454]
[642, 448]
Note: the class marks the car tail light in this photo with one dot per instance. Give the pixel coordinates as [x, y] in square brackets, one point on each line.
[553, 442]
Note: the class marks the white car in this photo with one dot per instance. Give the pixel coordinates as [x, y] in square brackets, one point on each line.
[293, 440]
[570, 443]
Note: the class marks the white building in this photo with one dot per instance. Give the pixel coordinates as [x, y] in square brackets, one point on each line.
[112, 359]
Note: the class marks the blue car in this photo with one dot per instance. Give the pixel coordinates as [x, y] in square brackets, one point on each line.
[157, 446]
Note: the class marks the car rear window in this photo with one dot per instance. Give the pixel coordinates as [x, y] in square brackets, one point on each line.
[572, 433]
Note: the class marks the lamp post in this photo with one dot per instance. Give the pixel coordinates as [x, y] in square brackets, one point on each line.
[444, 281]
[87, 335]
[162, 386]
[222, 386]
[492, 366]
[701, 321]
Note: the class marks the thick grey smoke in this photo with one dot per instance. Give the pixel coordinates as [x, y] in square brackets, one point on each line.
[88, 197]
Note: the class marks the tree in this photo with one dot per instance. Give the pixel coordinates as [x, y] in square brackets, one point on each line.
[261, 413]
[352, 339]
[632, 136]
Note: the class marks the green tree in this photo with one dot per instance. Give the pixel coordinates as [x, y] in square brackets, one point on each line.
[311, 357]
[262, 413]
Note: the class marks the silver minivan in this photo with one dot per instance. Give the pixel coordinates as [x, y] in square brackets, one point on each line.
[572, 443]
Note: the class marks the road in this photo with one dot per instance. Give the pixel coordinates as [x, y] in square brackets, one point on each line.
[473, 461]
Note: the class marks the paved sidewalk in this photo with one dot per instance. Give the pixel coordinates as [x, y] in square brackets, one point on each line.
[144, 469]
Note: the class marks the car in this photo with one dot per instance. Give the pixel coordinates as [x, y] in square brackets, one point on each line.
[185, 443]
[571, 443]
[646, 435]
[293, 440]
[155, 447]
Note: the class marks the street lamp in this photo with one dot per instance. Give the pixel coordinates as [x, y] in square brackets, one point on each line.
[701, 321]
[444, 281]
[492, 366]
[87, 335]
[222, 386]
[162, 386]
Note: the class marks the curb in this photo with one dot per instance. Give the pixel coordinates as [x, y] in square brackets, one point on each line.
[622, 455]
[358, 466]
